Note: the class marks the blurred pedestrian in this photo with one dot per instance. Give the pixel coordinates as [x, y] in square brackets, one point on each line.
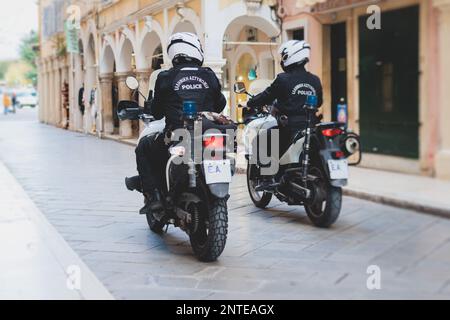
[65, 104]
[6, 103]
[14, 102]
[81, 102]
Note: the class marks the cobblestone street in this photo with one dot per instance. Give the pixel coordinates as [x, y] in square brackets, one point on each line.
[77, 182]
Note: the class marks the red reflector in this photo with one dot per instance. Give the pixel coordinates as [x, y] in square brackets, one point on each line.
[332, 132]
[213, 142]
[339, 155]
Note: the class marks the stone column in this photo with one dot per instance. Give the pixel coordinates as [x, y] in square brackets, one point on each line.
[42, 79]
[51, 100]
[46, 102]
[143, 77]
[106, 81]
[442, 162]
[126, 129]
[58, 87]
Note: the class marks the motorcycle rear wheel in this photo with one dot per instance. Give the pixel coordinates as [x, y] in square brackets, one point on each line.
[324, 214]
[208, 242]
[260, 199]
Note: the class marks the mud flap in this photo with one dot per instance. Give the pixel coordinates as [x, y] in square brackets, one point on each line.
[220, 190]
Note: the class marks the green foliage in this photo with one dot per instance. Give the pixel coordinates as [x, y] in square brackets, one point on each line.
[4, 65]
[28, 53]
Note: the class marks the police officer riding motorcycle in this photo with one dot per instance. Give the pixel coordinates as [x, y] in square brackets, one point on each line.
[186, 195]
[186, 81]
[312, 158]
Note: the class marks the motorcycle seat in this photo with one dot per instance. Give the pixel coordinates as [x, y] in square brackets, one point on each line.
[208, 124]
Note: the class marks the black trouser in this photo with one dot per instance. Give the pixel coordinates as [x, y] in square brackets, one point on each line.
[151, 156]
[288, 132]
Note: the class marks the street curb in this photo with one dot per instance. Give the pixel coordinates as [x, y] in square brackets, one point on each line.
[386, 200]
[399, 203]
[119, 140]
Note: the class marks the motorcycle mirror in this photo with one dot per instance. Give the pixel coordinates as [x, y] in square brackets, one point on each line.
[132, 83]
[239, 87]
[128, 110]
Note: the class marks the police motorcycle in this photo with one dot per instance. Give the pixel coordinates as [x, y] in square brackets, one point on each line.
[313, 170]
[197, 183]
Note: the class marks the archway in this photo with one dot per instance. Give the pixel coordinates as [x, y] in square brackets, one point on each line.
[126, 66]
[76, 114]
[243, 68]
[251, 40]
[90, 82]
[109, 91]
[150, 52]
[125, 58]
[187, 20]
[185, 26]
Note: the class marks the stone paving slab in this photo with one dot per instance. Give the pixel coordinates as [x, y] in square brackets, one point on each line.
[34, 258]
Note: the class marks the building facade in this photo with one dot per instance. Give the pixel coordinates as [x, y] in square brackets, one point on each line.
[391, 79]
[129, 37]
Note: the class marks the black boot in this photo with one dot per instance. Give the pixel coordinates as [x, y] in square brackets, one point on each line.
[152, 202]
[133, 183]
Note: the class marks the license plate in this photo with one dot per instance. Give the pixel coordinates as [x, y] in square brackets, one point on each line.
[217, 171]
[338, 169]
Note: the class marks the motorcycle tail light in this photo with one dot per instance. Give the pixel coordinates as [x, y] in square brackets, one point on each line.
[330, 133]
[213, 142]
[338, 154]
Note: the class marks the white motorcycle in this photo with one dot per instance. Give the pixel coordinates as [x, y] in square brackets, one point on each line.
[311, 172]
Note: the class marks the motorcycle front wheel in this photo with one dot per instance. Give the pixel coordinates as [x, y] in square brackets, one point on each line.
[325, 211]
[209, 239]
[259, 199]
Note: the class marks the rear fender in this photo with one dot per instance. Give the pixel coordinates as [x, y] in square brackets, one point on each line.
[220, 190]
[325, 152]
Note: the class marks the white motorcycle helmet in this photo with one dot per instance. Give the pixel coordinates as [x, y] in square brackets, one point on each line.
[295, 52]
[185, 46]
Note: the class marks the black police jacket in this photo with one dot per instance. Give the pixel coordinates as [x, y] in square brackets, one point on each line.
[290, 89]
[186, 82]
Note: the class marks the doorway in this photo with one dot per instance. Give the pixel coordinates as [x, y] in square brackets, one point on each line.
[338, 66]
[389, 84]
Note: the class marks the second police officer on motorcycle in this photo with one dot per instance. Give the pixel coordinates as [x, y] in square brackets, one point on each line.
[290, 89]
